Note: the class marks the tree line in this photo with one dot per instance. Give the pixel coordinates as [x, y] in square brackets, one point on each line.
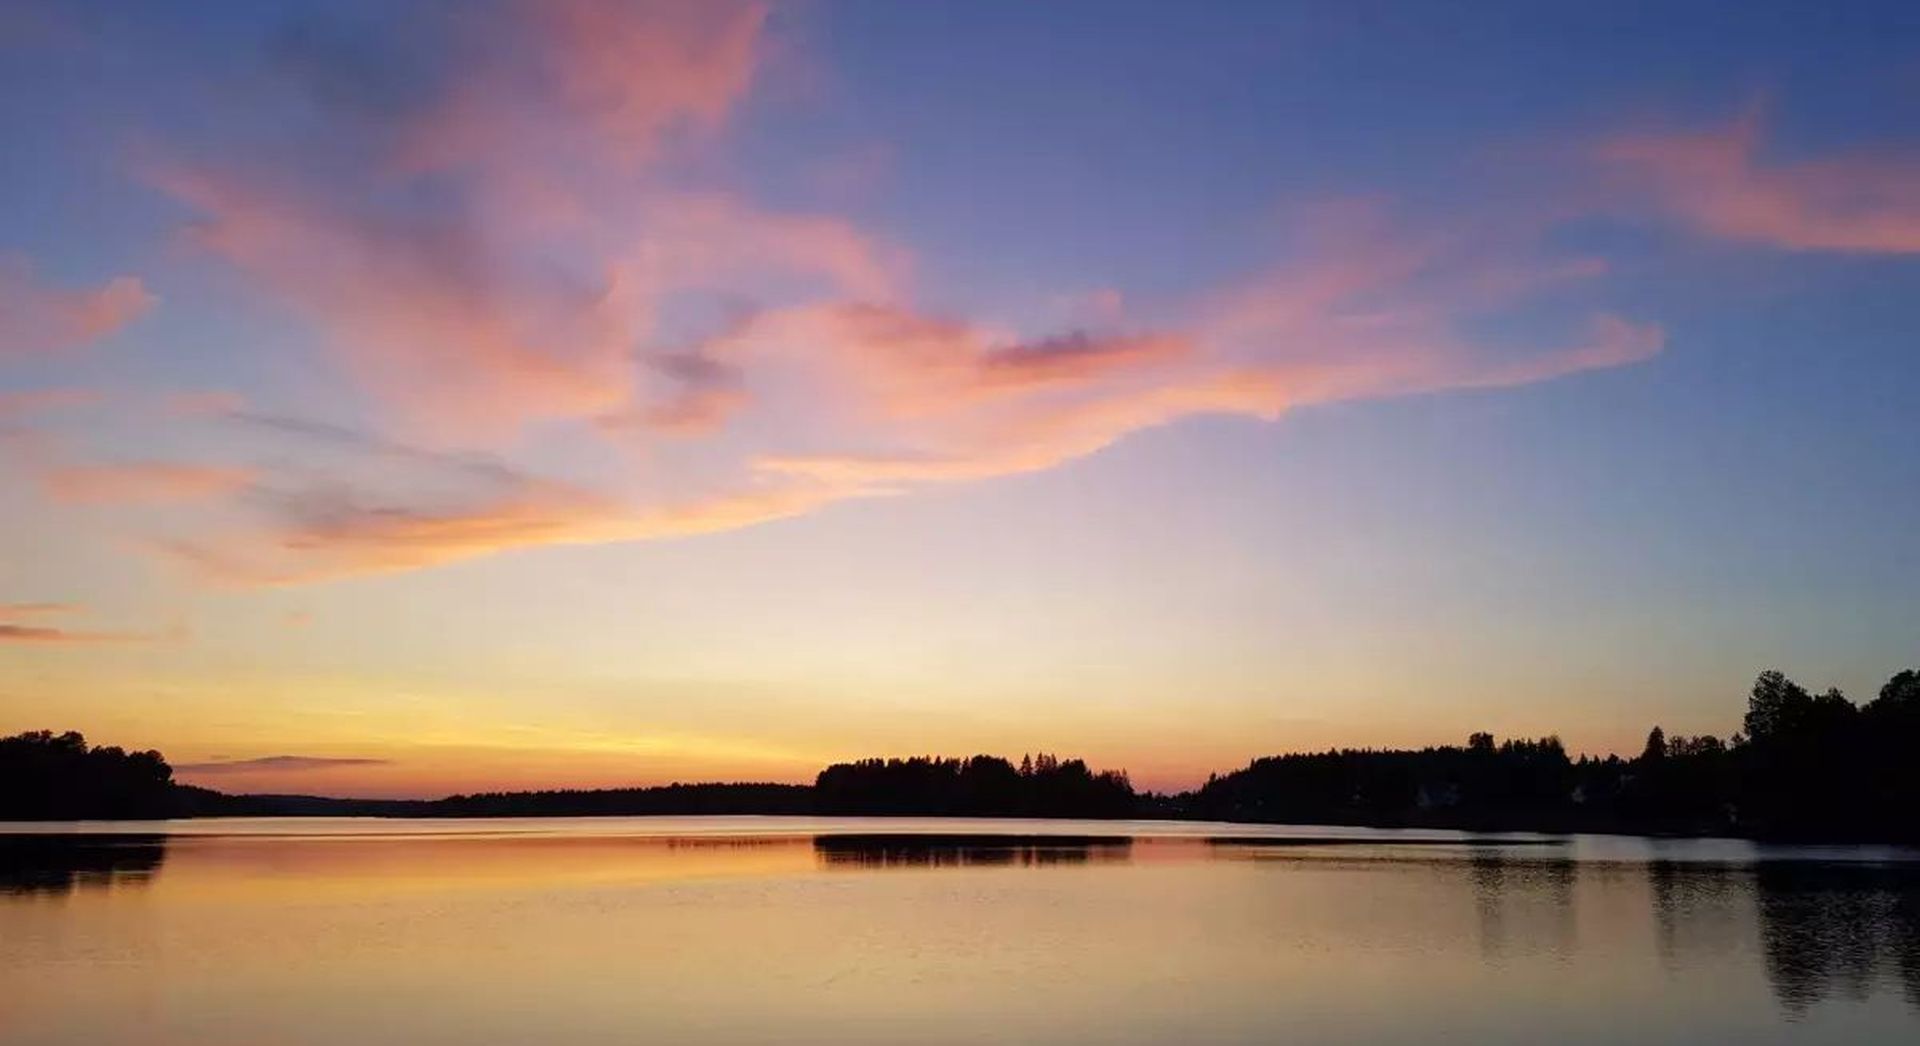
[981, 786]
[48, 776]
[1801, 766]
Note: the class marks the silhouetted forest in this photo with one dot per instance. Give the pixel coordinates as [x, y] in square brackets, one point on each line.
[709, 799]
[48, 776]
[983, 786]
[666, 799]
[1802, 766]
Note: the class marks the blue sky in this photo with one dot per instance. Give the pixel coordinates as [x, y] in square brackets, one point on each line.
[628, 392]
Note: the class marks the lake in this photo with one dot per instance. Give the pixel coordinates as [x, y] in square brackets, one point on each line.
[743, 929]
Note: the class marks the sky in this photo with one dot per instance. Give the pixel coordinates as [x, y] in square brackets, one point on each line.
[404, 399]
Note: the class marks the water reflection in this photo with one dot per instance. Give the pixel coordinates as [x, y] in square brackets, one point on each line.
[57, 865]
[1524, 905]
[1823, 930]
[1076, 937]
[1700, 910]
[1835, 931]
[881, 850]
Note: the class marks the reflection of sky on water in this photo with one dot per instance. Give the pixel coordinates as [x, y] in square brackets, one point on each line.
[1076, 935]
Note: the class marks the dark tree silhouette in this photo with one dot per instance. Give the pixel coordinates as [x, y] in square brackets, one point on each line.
[1776, 706]
[1656, 748]
[1806, 766]
[980, 786]
[1900, 696]
[48, 776]
[1480, 785]
[664, 799]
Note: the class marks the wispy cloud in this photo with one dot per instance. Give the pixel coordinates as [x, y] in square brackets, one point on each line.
[322, 534]
[36, 401]
[863, 400]
[571, 74]
[528, 294]
[513, 253]
[12, 633]
[37, 317]
[1722, 183]
[414, 309]
[1369, 312]
[16, 611]
[46, 634]
[365, 444]
[278, 764]
[705, 395]
[142, 482]
[19, 623]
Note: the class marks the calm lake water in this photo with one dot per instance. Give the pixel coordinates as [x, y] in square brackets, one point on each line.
[861, 930]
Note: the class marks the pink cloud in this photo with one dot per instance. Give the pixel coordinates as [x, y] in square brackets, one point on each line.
[417, 313]
[598, 75]
[1066, 359]
[324, 535]
[529, 296]
[143, 482]
[1611, 341]
[1367, 313]
[891, 363]
[858, 400]
[1034, 440]
[43, 634]
[637, 69]
[82, 637]
[38, 318]
[473, 343]
[706, 395]
[12, 630]
[521, 267]
[691, 240]
[35, 401]
[17, 611]
[1719, 182]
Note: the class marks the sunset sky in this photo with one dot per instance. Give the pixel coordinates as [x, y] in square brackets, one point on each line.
[398, 399]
